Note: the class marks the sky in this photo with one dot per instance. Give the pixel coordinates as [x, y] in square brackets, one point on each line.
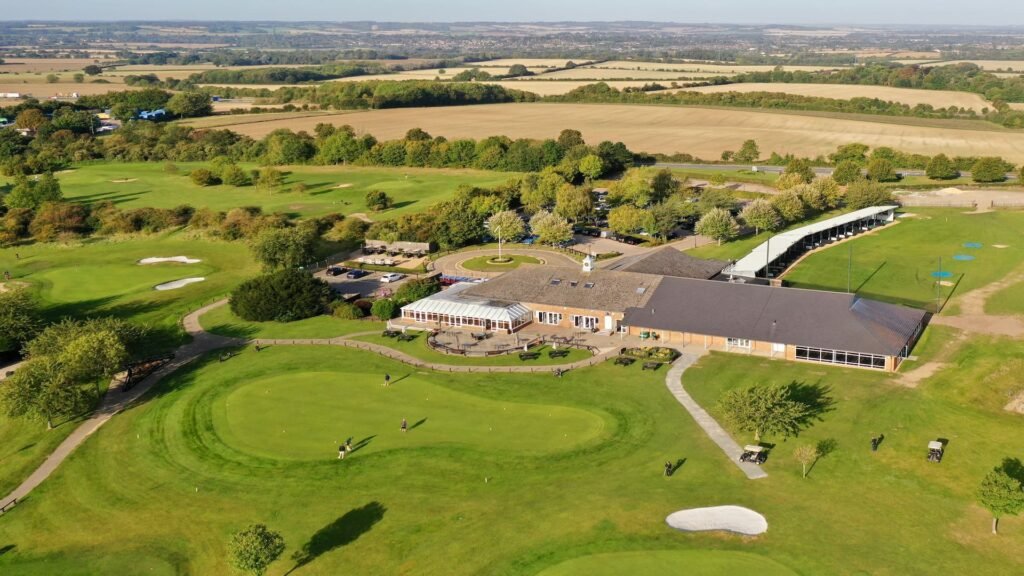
[955, 12]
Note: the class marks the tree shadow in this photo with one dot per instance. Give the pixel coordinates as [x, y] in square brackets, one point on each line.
[815, 396]
[825, 447]
[1014, 468]
[7, 548]
[344, 530]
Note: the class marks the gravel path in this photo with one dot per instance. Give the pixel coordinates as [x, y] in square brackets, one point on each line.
[674, 381]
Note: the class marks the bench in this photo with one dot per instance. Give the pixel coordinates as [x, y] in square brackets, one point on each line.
[624, 361]
[652, 365]
[529, 355]
[406, 337]
[558, 353]
[390, 333]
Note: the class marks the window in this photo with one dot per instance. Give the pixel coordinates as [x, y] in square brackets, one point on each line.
[588, 285]
[738, 343]
[556, 281]
[873, 361]
[551, 318]
[573, 283]
[641, 290]
[585, 322]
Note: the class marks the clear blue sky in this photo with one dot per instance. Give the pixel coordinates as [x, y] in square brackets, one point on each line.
[976, 12]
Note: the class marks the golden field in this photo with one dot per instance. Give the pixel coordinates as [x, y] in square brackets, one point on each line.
[717, 69]
[936, 98]
[705, 132]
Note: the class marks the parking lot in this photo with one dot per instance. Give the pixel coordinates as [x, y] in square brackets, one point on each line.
[369, 285]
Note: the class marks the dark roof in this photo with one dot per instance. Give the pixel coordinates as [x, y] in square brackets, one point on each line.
[668, 261]
[598, 290]
[831, 320]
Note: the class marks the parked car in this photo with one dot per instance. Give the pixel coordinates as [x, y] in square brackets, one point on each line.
[354, 274]
[392, 277]
[336, 270]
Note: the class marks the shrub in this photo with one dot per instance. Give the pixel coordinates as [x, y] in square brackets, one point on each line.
[347, 311]
[377, 200]
[170, 168]
[232, 175]
[941, 168]
[866, 193]
[990, 169]
[204, 177]
[417, 289]
[882, 170]
[846, 172]
[284, 296]
[384, 309]
[300, 188]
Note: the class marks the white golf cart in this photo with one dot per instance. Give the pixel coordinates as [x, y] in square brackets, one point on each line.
[755, 454]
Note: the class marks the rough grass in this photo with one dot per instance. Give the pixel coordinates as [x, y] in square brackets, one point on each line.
[1008, 301]
[329, 189]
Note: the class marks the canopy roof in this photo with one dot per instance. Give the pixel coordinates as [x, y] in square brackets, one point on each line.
[777, 245]
[453, 302]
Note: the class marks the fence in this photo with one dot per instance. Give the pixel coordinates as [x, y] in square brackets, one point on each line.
[1007, 204]
[928, 203]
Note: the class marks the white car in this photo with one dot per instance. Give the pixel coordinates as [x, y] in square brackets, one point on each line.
[392, 277]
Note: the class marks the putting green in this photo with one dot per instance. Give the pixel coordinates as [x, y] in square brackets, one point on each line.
[660, 562]
[92, 282]
[305, 415]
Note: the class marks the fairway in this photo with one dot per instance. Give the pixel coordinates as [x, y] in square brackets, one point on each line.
[908, 96]
[330, 189]
[662, 562]
[896, 262]
[704, 132]
[306, 415]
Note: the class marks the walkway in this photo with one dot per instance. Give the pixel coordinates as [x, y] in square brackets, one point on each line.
[674, 381]
[116, 400]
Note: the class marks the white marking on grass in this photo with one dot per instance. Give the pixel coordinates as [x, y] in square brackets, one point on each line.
[174, 285]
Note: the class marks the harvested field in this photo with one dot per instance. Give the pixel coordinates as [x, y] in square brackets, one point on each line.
[559, 87]
[43, 90]
[936, 98]
[717, 69]
[528, 62]
[277, 118]
[586, 73]
[705, 132]
[990, 65]
[47, 65]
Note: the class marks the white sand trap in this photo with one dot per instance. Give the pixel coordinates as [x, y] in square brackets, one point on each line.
[178, 259]
[177, 283]
[124, 180]
[729, 518]
[907, 215]
[946, 283]
[347, 185]
[1000, 246]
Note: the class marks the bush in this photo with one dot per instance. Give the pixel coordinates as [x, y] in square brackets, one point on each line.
[941, 168]
[284, 296]
[384, 309]
[866, 193]
[846, 172]
[232, 175]
[170, 168]
[882, 170]
[347, 311]
[377, 200]
[417, 289]
[990, 169]
[204, 177]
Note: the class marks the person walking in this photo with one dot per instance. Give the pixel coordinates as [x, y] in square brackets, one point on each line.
[387, 380]
[405, 425]
[341, 452]
[348, 444]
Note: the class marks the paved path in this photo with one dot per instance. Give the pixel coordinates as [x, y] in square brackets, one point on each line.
[116, 400]
[674, 381]
[451, 264]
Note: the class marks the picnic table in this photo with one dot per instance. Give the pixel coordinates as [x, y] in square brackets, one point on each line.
[652, 365]
[391, 333]
[624, 361]
[558, 353]
[529, 355]
[406, 337]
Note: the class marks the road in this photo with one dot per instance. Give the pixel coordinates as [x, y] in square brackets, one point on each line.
[820, 170]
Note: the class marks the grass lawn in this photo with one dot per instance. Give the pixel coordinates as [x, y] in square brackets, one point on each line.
[24, 444]
[418, 349]
[222, 321]
[1008, 301]
[102, 277]
[896, 263]
[748, 176]
[484, 264]
[331, 189]
[512, 475]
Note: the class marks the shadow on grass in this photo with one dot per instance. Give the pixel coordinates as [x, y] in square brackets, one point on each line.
[870, 276]
[7, 548]
[825, 447]
[233, 330]
[344, 530]
[815, 396]
[418, 424]
[1014, 469]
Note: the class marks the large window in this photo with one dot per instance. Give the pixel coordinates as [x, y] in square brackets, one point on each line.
[839, 357]
[739, 343]
[552, 318]
[585, 322]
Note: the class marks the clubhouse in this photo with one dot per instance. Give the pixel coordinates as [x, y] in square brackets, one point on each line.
[669, 297]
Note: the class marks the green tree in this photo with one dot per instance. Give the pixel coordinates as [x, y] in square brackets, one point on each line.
[829, 191]
[1001, 495]
[574, 203]
[92, 70]
[940, 167]
[233, 175]
[52, 78]
[79, 77]
[789, 206]
[806, 455]
[627, 219]
[664, 186]
[717, 224]
[718, 179]
[765, 410]
[801, 167]
[712, 198]
[866, 193]
[384, 309]
[190, 104]
[989, 169]
[269, 178]
[377, 200]
[283, 296]
[31, 194]
[279, 248]
[749, 153]
[846, 172]
[519, 70]
[30, 119]
[569, 139]
[20, 318]
[347, 311]
[591, 166]
[882, 170]
[855, 153]
[789, 181]
[550, 228]
[254, 549]
[663, 218]
[761, 215]
[417, 289]
[204, 177]
[634, 188]
[506, 226]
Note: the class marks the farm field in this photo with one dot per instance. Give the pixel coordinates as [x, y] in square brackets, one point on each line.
[911, 97]
[331, 189]
[989, 65]
[709, 68]
[703, 132]
[46, 65]
[588, 73]
[41, 89]
[496, 455]
[896, 263]
[560, 87]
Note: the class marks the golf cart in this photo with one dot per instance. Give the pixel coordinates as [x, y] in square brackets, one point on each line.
[935, 450]
[755, 454]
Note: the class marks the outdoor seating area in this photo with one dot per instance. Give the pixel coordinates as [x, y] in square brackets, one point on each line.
[396, 249]
[754, 454]
[624, 361]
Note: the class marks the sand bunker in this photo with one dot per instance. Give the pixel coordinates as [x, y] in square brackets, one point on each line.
[124, 180]
[729, 518]
[346, 185]
[178, 259]
[1000, 246]
[12, 285]
[177, 283]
